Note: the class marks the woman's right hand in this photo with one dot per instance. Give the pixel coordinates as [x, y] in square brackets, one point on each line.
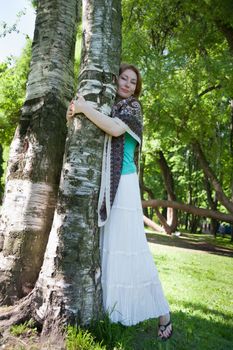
[76, 107]
[70, 112]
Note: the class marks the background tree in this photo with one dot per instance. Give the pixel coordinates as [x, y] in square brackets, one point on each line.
[13, 77]
[187, 68]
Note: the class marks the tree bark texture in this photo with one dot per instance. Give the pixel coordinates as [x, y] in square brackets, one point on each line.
[68, 289]
[37, 149]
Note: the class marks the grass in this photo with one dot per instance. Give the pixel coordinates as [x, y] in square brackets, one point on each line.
[79, 339]
[24, 329]
[199, 289]
[198, 286]
[220, 241]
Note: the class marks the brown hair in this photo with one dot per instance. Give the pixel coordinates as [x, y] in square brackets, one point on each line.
[125, 66]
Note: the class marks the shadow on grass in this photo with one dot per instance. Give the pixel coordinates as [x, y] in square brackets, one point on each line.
[188, 243]
[190, 332]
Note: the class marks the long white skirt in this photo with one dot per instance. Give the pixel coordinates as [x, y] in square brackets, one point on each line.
[132, 291]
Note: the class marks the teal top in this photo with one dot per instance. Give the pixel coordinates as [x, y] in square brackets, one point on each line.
[129, 166]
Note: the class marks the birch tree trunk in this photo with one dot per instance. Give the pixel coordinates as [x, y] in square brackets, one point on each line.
[68, 289]
[37, 149]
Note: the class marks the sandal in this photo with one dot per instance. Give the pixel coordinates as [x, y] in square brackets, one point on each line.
[162, 329]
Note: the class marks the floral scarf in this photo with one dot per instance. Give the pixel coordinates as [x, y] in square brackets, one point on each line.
[127, 113]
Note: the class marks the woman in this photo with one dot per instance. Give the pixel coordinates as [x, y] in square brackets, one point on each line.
[132, 291]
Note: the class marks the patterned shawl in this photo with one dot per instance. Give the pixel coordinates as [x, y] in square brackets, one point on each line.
[127, 113]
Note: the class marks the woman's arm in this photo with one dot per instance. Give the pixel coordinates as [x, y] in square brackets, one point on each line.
[107, 124]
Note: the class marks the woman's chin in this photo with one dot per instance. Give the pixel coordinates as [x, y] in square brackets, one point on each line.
[122, 95]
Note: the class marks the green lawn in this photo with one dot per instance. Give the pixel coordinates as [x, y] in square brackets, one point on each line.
[199, 288]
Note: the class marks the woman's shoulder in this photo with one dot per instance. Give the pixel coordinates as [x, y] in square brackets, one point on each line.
[131, 102]
[128, 109]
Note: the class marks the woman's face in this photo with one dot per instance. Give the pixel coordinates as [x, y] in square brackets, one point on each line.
[127, 82]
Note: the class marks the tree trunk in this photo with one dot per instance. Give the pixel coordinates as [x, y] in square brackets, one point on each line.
[37, 149]
[213, 205]
[231, 152]
[222, 198]
[141, 181]
[69, 283]
[152, 224]
[172, 219]
[68, 289]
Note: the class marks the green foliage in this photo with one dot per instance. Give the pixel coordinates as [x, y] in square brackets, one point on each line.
[13, 78]
[187, 73]
[34, 3]
[26, 328]
[78, 48]
[1, 172]
[78, 339]
[112, 335]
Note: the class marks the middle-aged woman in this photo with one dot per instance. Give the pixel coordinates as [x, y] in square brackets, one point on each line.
[132, 291]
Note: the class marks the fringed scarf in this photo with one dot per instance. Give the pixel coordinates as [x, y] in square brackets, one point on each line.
[126, 112]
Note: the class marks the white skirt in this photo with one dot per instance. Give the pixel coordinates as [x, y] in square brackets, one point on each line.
[132, 291]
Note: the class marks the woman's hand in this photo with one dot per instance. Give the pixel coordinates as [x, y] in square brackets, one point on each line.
[70, 112]
[75, 107]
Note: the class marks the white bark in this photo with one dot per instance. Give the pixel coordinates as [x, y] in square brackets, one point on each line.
[37, 149]
[69, 282]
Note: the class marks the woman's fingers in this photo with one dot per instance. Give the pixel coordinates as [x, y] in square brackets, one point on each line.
[75, 107]
[70, 111]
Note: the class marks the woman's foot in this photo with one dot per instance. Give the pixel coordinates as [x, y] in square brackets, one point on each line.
[165, 327]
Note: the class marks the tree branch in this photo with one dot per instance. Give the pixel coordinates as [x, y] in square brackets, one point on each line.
[154, 203]
[209, 89]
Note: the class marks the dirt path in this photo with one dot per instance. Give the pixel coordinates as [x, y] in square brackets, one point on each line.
[188, 243]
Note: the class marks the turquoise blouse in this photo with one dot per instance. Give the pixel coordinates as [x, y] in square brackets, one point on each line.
[129, 166]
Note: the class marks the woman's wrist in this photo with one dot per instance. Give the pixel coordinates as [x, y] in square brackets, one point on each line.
[80, 106]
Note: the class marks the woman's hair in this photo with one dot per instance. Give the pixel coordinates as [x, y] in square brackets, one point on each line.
[125, 66]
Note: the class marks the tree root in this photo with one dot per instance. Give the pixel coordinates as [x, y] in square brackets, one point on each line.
[49, 336]
[16, 314]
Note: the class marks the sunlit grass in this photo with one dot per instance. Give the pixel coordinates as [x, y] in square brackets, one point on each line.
[219, 241]
[26, 328]
[198, 286]
[78, 339]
